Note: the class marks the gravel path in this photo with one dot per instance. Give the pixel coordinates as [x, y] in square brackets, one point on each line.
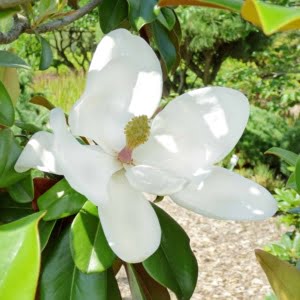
[224, 250]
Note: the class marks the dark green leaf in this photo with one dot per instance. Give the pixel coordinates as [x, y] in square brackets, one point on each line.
[288, 156]
[22, 191]
[164, 44]
[283, 277]
[7, 112]
[112, 13]
[142, 12]
[175, 36]
[167, 18]
[9, 153]
[45, 230]
[20, 258]
[61, 280]
[46, 54]
[60, 201]
[11, 211]
[173, 265]
[143, 286]
[8, 59]
[89, 247]
[297, 174]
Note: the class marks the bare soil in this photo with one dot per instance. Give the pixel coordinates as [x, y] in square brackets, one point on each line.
[228, 269]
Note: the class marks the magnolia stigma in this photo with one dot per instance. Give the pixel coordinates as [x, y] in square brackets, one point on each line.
[137, 132]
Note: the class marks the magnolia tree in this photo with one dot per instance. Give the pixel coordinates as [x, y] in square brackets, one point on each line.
[69, 227]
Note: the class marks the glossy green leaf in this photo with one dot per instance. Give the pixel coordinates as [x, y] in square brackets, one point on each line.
[288, 156]
[167, 18]
[11, 211]
[283, 277]
[173, 265]
[45, 230]
[9, 153]
[143, 286]
[142, 12]
[61, 280]
[269, 17]
[60, 201]
[89, 247]
[111, 14]
[22, 191]
[7, 111]
[232, 5]
[46, 54]
[20, 258]
[8, 59]
[164, 44]
[175, 36]
[297, 174]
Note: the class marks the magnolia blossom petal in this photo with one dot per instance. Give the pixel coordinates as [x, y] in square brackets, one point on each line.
[39, 153]
[195, 130]
[226, 195]
[120, 85]
[154, 181]
[86, 169]
[129, 222]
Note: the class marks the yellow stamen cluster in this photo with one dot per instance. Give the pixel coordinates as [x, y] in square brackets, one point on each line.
[137, 131]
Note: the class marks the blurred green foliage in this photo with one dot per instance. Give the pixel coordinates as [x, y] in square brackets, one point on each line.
[209, 37]
[63, 90]
[72, 46]
[220, 48]
[291, 138]
[288, 247]
[25, 111]
[264, 130]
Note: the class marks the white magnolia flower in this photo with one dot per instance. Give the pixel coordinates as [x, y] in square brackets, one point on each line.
[177, 157]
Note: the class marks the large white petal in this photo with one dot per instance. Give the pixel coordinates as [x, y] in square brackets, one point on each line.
[124, 80]
[86, 169]
[224, 194]
[154, 181]
[39, 153]
[195, 130]
[129, 221]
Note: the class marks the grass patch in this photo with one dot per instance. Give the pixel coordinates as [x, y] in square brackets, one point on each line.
[62, 90]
